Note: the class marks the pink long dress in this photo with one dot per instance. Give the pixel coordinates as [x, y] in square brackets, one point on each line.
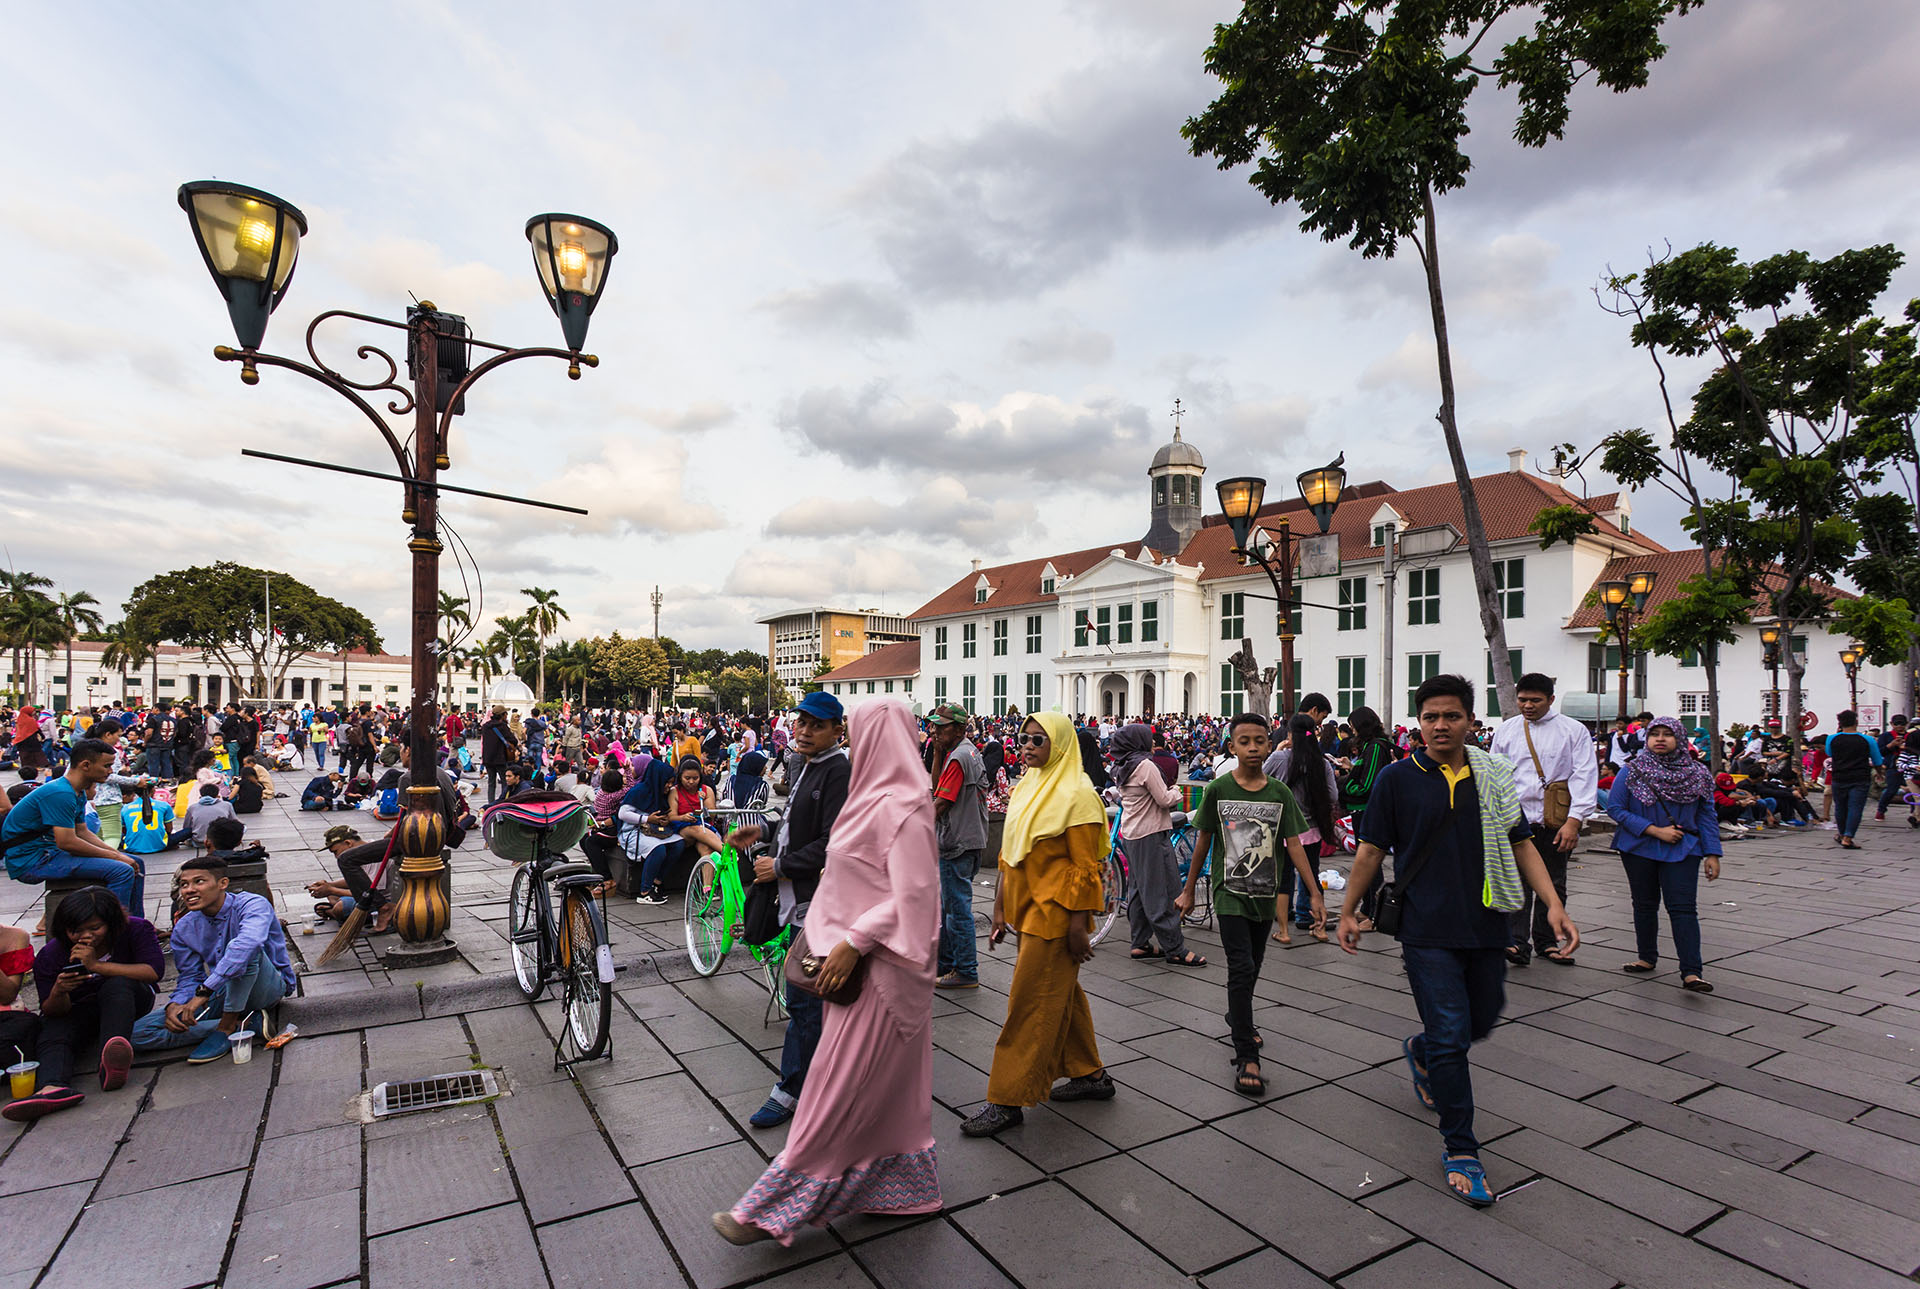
[862, 1138]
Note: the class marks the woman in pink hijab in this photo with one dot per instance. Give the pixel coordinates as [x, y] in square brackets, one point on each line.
[862, 1140]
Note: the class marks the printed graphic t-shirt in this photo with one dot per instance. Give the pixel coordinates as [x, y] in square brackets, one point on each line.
[1250, 831]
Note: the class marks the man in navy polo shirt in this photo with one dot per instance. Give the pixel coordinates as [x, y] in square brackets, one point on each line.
[1427, 810]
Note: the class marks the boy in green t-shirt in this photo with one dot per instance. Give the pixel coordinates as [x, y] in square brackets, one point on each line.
[1251, 814]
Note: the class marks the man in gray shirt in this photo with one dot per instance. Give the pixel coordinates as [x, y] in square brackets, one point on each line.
[960, 825]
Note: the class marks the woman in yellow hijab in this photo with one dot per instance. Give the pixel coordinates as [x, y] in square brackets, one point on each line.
[1049, 890]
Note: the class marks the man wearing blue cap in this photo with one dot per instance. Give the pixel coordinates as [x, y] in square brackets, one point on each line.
[818, 790]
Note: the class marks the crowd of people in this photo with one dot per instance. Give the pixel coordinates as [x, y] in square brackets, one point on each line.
[873, 860]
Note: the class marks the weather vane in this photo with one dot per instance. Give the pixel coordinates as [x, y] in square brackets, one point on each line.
[1176, 414]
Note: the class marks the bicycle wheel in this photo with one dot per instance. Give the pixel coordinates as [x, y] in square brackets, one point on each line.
[1113, 891]
[706, 919]
[589, 975]
[523, 932]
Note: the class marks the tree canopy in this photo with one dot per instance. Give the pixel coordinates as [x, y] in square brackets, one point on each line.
[222, 609]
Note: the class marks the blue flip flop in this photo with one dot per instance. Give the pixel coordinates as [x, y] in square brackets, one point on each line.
[1481, 1195]
[1421, 1087]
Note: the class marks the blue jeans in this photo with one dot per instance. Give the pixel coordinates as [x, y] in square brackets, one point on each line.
[315, 801]
[1459, 993]
[1678, 885]
[160, 760]
[1849, 803]
[805, 1014]
[320, 754]
[958, 955]
[257, 988]
[129, 884]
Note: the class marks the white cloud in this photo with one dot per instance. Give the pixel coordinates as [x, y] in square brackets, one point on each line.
[695, 418]
[941, 510]
[854, 309]
[1063, 343]
[860, 571]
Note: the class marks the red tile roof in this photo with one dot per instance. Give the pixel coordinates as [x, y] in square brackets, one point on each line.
[1508, 503]
[1669, 569]
[886, 662]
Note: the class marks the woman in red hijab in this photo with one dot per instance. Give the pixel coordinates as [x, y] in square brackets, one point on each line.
[862, 1139]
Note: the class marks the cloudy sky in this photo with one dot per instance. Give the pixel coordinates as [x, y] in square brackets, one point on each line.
[900, 284]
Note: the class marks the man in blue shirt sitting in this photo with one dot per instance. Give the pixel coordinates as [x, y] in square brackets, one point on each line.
[230, 960]
[45, 835]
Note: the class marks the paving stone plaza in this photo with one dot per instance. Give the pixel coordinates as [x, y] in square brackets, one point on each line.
[1767, 1134]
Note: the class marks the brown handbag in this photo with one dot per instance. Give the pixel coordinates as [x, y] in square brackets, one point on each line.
[802, 971]
[1556, 798]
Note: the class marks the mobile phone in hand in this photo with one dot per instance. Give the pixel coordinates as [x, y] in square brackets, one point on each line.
[74, 968]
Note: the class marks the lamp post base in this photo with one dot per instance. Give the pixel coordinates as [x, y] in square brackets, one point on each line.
[427, 953]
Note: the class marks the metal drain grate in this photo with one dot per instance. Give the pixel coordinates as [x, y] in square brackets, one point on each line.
[433, 1094]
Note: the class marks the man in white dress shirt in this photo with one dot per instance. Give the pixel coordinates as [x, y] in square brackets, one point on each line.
[1561, 752]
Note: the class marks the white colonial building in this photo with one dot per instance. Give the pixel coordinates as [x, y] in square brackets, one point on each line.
[1147, 626]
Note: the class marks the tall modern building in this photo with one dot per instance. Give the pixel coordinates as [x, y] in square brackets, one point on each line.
[799, 640]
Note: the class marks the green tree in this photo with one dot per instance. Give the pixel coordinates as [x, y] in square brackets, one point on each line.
[545, 618]
[632, 667]
[1810, 409]
[18, 591]
[744, 689]
[220, 608]
[127, 651]
[33, 626]
[1356, 111]
[77, 614]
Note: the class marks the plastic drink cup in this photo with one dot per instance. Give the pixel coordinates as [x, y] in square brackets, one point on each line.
[23, 1079]
[242, 1041]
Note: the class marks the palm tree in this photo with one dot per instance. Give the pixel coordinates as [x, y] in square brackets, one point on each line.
[482, 663]
[76, 615]
[126, 649]
[572, 665]
[33, 623]
[544, 618]
[15, 590]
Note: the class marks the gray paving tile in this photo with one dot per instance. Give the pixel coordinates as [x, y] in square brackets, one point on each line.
[612, 1246]
[1794, 1256]
[1053, 1143]
[1310, 1151]
[1519, 1260]
[302, 1245]
[223, 1088]
[305, 1105]
[166, 1146]
[1419, 1264]
[973, 1168]
[1621, 1245]
[407, 1045]
[305, 1166]
[685, 1192]
[1771, 1086]
[564, 1176]
[491, 1249]
[1406, 1144]
[1836, 1219]
[928, 1251]
[436, 1171]
[1897, 1159]
[1322, 1229]
[542, 1113]
[1859, 1183]
[1586, 1171]
[1022, 1234]
[75, 1146]
[195, 1215]
[1578, 1069]
[1715, 1134]
[35, 1223]
[1195, 1096]
[1267, 1269]
[1153, 1210]
[661, 1117]
[840, 1272]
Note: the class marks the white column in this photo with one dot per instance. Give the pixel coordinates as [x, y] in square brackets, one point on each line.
[1130, 697]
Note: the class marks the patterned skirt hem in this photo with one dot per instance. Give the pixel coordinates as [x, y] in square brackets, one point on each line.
[783, 1201]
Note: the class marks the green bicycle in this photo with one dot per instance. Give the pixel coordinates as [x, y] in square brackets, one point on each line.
[715, 905]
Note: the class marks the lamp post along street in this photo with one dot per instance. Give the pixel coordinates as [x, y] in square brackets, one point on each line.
[1770, 645]
[1850, 659]
[1623, 600]
[250, 240]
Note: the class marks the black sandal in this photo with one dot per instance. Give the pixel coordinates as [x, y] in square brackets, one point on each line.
[1142, 955]
[1246, 1082]
[1187, 959]
[1639, 968]
[1696, 985]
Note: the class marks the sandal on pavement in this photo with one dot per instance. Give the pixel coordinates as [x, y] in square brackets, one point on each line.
[1478, 1193]
[1319, 934]
[1248, 1081]
[1187, 959]
[1639, 967]
[1141, 955]
[1421, 1087]
[735, 1231]
[1557, 958]
[1283, 936]
[1694, 984]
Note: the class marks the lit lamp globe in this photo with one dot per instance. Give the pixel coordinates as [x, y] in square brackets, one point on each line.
[249, 240]
[1640, 587]
[1240, 499]
[1321, 490]
[1850, 657]
[572, 256]
[1613, 594]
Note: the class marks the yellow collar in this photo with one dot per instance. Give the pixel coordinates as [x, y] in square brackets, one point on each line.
[1453, 777]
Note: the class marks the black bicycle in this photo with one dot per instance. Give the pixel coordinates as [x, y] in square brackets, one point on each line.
[535, 830]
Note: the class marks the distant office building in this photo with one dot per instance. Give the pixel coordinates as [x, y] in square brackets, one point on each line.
[799, 640]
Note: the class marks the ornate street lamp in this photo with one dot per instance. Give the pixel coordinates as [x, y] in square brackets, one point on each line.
[1240, 500]
[1622, 599]
[573, 255]
[1850, 658]
[250, 241]
[1770, 655]
[1321, 490]
[1640, 587]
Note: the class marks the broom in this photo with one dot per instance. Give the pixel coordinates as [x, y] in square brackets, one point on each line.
[350, 929]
